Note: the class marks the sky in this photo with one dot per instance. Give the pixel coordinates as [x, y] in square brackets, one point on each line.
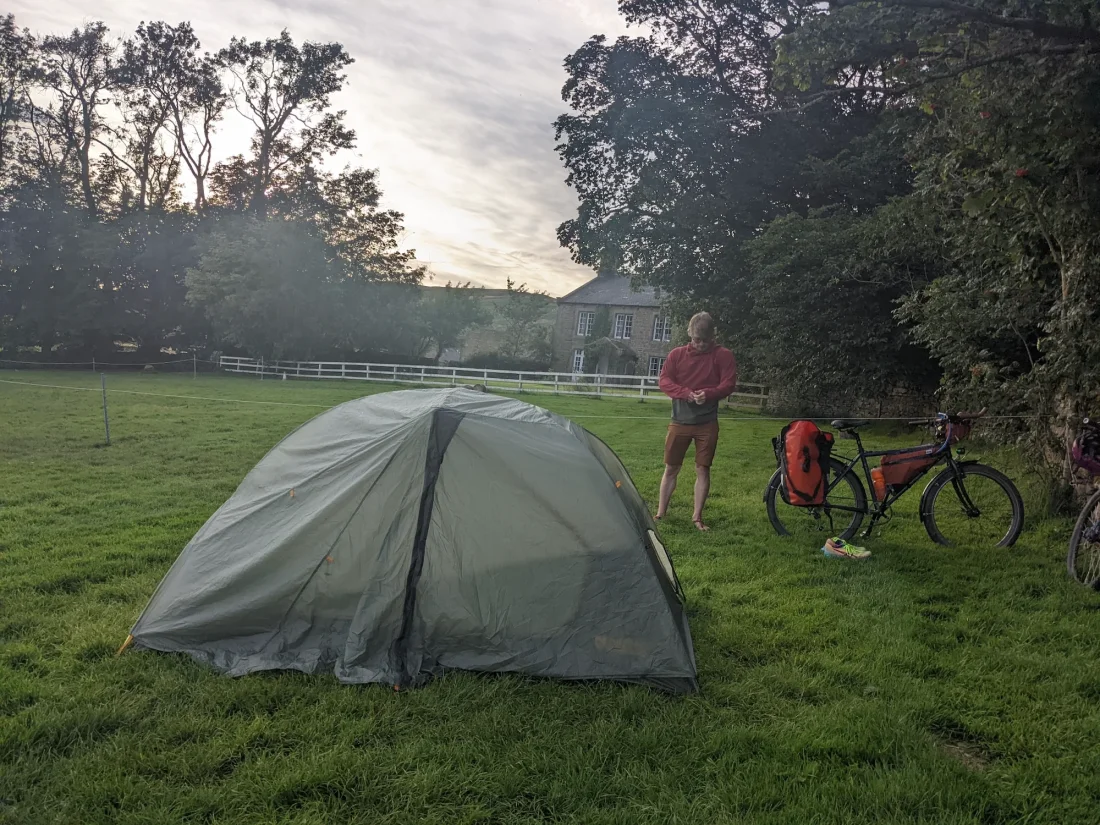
[453, 101]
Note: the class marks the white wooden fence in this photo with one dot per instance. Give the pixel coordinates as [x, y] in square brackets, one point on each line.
[752, 396]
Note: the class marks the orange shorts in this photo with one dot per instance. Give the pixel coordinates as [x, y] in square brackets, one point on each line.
[680, 437]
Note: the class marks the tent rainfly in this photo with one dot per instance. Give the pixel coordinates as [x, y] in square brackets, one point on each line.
[405, 534]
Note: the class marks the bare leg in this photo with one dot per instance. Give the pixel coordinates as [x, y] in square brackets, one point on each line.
[702, 490]
[668, 487]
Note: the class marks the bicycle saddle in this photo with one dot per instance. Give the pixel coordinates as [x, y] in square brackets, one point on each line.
[850, 423]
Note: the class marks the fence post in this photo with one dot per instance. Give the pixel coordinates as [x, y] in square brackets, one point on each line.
[556, 377]
[641, 389]
[521, 382]
[106, 421]
[343, 370]
[93, 363]
[261, 368]
[194, 365]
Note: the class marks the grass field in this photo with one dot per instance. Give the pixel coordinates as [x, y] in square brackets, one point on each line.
[924, 685]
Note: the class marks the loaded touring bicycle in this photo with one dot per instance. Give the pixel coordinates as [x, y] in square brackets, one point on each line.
[966, 503]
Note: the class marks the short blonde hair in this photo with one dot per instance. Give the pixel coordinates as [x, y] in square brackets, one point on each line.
[701, 324]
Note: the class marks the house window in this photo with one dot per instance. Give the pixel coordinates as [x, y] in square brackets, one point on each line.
[585, 320]
[656, 364]
[624, 326]
[662, 328]
[578, 360]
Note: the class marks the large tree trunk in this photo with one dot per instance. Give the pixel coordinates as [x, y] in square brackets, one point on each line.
[86, 182]
[1074, 381]
[259, 192]
[1064, 427]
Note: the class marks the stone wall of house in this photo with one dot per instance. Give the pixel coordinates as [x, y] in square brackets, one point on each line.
[566, 339]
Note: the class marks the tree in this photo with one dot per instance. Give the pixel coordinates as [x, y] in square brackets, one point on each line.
[601, 324]
[50, 277]
[1005, 164]
[826, 289]
[147, 254]
[144, 116]
[449, 312]
[1012, 173]
[97, 248]
[377, 319]
[78, 69]
[676, 161]
[284, 91]
[343, 207]
[524, 334]
[181, 88]
[16, 70]
[268, 287]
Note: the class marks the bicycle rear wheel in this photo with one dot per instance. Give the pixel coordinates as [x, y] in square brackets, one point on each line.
[1083, 559]
[995, 520]
[819, 523]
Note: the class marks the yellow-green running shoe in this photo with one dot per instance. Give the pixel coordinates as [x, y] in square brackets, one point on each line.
[838, 548]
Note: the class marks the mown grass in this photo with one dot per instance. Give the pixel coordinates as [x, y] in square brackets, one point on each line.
[924, 685]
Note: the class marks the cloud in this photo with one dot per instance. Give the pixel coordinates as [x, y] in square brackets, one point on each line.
[453, 101]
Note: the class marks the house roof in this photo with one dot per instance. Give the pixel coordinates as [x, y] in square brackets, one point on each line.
[612, 290]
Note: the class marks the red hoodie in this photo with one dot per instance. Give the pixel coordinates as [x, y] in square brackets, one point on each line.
[687, 370]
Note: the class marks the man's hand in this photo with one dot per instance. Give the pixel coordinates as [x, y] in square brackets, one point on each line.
[698, 397]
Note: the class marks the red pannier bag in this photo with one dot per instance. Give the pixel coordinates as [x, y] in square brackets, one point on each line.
[802, 453]
[901, 468]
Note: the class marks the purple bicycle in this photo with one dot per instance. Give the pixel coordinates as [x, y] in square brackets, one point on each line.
[1083, 559]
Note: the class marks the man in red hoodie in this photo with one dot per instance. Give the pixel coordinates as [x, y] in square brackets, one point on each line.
[696, 377]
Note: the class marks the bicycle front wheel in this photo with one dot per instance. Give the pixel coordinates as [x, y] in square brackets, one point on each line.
[820, 523]
[976, 506]
[1083, 560]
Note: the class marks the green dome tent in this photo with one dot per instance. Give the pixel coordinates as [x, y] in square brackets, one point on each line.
[408, 533]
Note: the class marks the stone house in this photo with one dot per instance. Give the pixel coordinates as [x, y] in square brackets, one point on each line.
[641, 331]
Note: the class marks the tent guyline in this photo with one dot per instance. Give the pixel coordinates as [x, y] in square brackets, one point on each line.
[137, 363]
[402, 535]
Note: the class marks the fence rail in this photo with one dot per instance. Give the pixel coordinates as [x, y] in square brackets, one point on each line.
[753, 396]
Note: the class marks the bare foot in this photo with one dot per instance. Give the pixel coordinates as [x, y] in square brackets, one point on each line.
[698, 522]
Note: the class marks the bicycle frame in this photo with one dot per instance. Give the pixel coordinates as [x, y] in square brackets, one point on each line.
[877, 509]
